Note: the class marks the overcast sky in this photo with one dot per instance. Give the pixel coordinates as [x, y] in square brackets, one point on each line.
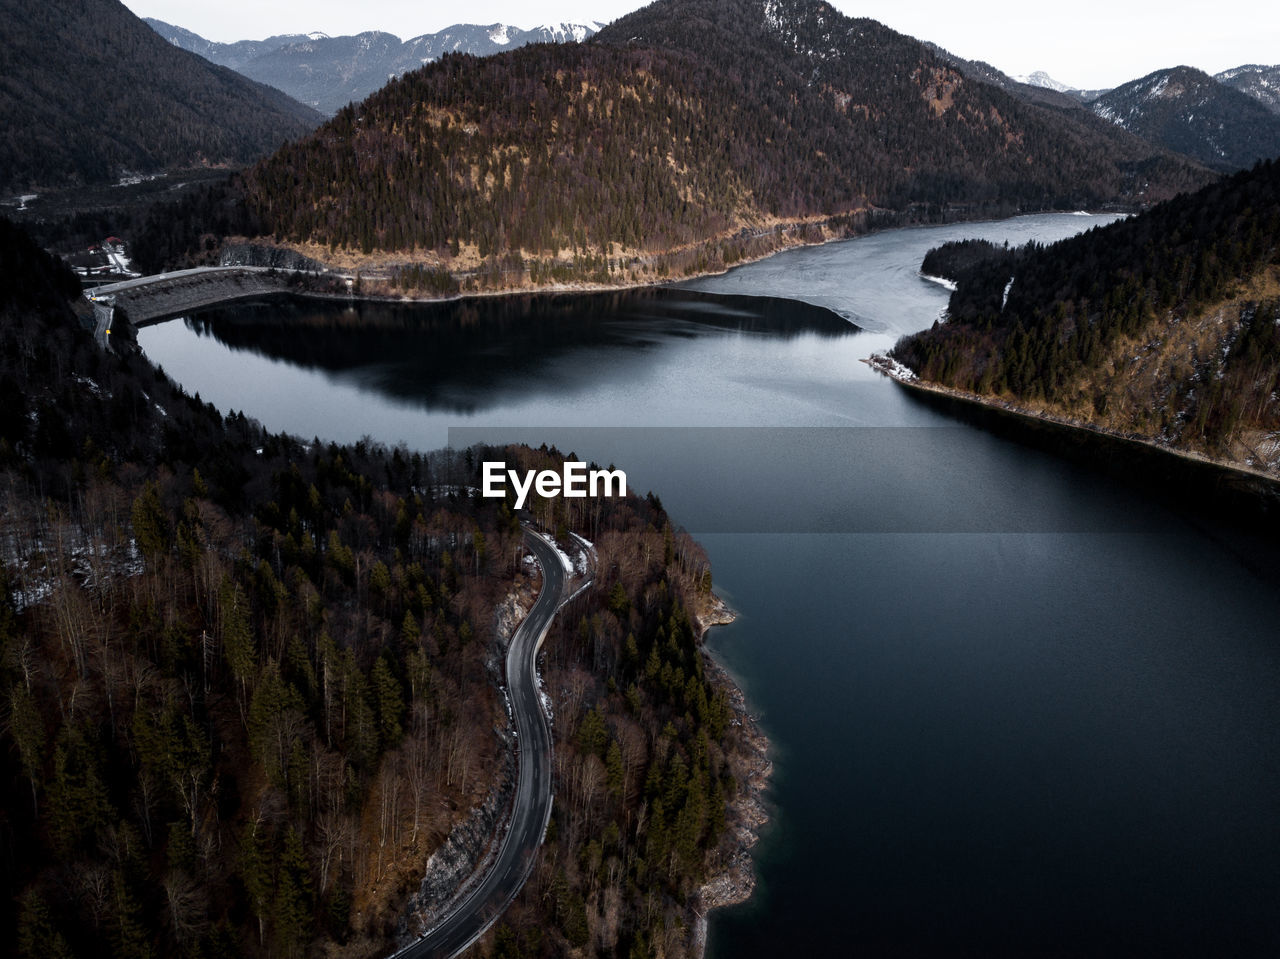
[1084, 43]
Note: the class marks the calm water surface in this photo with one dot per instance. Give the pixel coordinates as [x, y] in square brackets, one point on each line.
[1016, 711]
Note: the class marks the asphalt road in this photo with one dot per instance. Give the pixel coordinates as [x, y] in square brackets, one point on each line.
[532, 808]
[162, 278]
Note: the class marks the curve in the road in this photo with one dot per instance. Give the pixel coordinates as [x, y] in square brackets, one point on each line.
[531, 808]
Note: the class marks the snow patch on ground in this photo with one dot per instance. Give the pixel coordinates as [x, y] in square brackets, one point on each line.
[773, 14]
[1108, 114]
[585, 555]
[133, 179]
[511, 716]
[546, 699]
[449, 489]
[122, 263]
[565, 561]
[890, 367]
[90, 564]
[942, 281]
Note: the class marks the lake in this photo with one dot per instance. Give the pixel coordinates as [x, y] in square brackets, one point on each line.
[1016, 709]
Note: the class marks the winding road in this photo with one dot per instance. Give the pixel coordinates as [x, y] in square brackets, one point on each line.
[531, 810]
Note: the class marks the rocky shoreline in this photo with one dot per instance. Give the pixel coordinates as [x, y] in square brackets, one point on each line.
[747, 814]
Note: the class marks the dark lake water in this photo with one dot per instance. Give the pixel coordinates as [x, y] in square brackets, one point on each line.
[1016, 710]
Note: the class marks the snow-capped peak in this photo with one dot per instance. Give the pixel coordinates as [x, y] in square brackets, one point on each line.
[569, 32]
[499, 35]
[1042, 79]
[317, 36]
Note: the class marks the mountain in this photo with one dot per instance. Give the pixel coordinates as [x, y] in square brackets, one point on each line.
[982, 71]
[1088, 96]
[1186, 110]
[1182, 110]
[233, 55]
[1261, 83]
[1042, 79]
[1018, 86]
[88, 91]
[1164, 326]
[693, 127]
[330, 72]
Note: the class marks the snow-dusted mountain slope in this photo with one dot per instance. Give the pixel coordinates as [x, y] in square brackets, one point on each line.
[329, 72]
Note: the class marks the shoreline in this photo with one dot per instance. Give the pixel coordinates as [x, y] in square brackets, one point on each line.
[279, 287]
[735, 881]
[1238, 488]
[279, 275]
[589, 286]
[788, 237]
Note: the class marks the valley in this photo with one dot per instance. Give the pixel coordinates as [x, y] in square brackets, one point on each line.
[892, 562]
[386, 424]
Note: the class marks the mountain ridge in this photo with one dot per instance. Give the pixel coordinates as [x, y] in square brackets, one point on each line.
[233, 55]
[159, 107]
[1258, 81]
[1188, 111]
[1040, 78]
[689, 122]
[1032, 93]
[328, 72]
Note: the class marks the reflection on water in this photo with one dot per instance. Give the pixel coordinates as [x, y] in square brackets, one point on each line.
[466, 356]
[409, 372]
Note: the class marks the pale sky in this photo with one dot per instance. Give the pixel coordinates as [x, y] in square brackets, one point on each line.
[1084, 43]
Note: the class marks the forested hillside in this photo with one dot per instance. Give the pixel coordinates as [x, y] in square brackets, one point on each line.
[685, 122]
[1163, 325]
[248, 685]
[88, 91]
